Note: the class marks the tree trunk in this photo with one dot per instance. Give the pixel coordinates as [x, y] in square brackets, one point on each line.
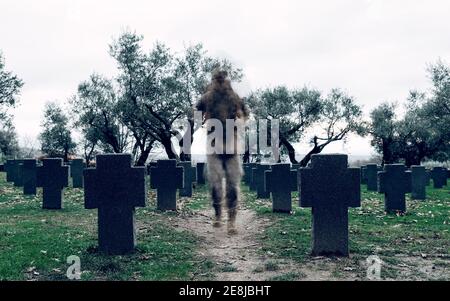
[143, 157]
[317, 149]
[290, 149]
[66, 155]
[387, 152]
[116, 149]
[187, 156]
[144, 154]
[422, 153]
[88, 154]
[87, 158]
[413, 159]
[246, 157]
[168, 147]
[416, 161]
[112, 141]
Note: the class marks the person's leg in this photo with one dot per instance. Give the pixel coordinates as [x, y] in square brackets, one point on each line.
[215, 174]
[233, 179]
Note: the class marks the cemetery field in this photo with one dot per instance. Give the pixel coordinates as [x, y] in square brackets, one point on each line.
[35, 244]
[415, 246]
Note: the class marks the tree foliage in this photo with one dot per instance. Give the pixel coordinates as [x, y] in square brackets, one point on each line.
[384, 131]
[332, 117]
[159, 87]
[340, 116]
[97, 116]
[56, 139]
[295, 109]
[9, 146]
[10, 86]
[424, 130]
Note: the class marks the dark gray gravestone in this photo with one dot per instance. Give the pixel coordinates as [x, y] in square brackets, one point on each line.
[248, 167]
[115, 189]
[364, 175]
[76, 172]
[150, 165]
[418, 183]
[167, 178]
[394, 182]
[280, 183]
[329, 187]
[258, 178]
[296, 168]
[29, 176]
[2, 167]
[253, 177]
[52, 176]
[201, 169]
[18, 173]
[439, 176]
[243, 172]
[10, 170]
[427, 177]
[190, 176]
[372, 177]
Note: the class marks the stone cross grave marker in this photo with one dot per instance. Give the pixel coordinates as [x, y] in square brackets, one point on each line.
[244, 176]
[190, 176]
[296, 168]
[364, 175]
[18, 173]
[76, 172]
[439, 176]
[258, 178]
[427, 177]
[372, 177]
[394, 182]
[9, 168]
[149, 166]
[201, 169]
[52, 176]
[248, 169]
[418, 183]
[252, 185]
[166, 177]
[280, 183]
[115, 188]
[29, 176]
[329, 187]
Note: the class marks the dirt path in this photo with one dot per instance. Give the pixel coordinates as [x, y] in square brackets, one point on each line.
[237, 257]
[240, 258]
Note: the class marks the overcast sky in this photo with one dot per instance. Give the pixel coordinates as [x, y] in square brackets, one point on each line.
[377, 50]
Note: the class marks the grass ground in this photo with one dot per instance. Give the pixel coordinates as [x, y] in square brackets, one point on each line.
[409, 245]
[35, 244]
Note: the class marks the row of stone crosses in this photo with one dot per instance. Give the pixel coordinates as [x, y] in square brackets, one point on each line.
[327, 185]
